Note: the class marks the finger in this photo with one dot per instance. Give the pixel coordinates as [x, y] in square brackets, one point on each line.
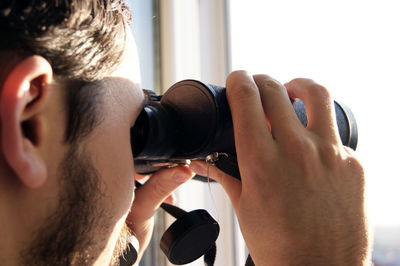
[231, 185]
[161, 184]
[140, 176]
[249, 121]
[319, 107]
[278, 108]
[171, 199]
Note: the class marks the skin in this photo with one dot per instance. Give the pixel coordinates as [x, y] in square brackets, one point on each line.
[301, 191]
[29, 171]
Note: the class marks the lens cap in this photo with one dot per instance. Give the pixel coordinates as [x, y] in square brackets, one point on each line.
[193, 104]
[346, 120]
[189, 237]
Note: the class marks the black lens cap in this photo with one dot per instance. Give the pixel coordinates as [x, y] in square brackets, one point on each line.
[189, 237]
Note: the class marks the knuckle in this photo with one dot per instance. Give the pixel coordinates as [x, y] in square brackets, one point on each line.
[329, 154]
[270, 86]
[320, 91]
[264, 81]
[160, 190]
[356, 166]
[236, 73]
[299, 80]
[241, 90]
[354, 174]
[301, 148]
[236, 77]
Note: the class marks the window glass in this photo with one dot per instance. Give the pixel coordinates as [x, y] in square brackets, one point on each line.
[145, 27]
[187, 40]
[352, 48]
[145, 30]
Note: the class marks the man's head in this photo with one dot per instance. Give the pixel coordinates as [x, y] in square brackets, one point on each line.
[66, 168]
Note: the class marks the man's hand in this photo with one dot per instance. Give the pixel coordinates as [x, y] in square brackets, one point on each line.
[301, 198]
[148, 198]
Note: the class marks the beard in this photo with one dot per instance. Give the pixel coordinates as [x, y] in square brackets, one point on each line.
[73, 234]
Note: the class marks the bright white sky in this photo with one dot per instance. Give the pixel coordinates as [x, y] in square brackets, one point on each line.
[353, 48]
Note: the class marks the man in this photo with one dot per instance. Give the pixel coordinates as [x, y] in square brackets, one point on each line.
[69, 96]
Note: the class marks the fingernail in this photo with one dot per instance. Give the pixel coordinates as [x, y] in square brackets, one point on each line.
[198, 169]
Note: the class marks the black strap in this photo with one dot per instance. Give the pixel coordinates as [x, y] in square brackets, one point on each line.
[209, 256]
[129, 259]
[249, 261]
[229, 165]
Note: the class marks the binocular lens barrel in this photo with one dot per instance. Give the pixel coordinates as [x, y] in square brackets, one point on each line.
[192, 120]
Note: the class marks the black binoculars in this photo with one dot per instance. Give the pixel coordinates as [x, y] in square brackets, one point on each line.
[192, 120]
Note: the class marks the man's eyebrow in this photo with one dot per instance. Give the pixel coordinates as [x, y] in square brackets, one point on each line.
[85, 110]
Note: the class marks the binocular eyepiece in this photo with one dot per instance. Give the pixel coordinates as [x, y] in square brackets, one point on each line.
[192, 120]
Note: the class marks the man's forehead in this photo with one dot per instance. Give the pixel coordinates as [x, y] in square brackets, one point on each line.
[122, 95]
[113, 98]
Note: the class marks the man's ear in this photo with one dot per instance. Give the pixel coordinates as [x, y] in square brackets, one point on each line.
[23, 96]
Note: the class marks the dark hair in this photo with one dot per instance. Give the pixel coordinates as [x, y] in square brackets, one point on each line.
[65, 237]
[82, 39]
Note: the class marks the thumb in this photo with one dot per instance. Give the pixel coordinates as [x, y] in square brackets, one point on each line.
[160, 185]
[231, 185]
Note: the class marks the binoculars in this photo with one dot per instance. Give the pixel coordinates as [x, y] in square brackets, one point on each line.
[192, 120]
